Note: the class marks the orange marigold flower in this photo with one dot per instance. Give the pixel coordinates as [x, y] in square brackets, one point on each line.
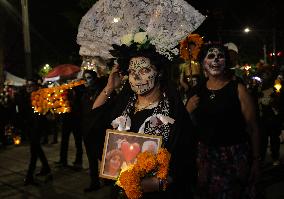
[146, 161]
[163, 156]
[162, 173]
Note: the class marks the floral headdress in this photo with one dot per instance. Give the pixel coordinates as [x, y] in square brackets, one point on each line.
[185, 52]
[134, 45]
[165, 22]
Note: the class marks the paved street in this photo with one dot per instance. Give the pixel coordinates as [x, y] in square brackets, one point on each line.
[68, 183]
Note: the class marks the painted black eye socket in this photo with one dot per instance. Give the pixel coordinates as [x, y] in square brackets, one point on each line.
[144, 71]
[213, 56]
[130, 71]
[221, 56]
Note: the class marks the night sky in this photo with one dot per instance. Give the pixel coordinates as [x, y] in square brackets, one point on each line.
[227, 20]
[54, 25]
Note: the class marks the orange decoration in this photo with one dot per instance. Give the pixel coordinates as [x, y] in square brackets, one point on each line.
[147, 163]
[53, 99]
[190, 53]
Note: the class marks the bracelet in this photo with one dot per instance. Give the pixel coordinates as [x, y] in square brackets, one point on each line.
[107, 94]
[161, 185]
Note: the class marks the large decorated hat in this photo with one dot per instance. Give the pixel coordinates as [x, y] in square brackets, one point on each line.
[166, 22]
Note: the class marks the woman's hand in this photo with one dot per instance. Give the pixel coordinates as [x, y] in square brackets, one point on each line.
[192, 103]
[150, 184]
[114, 79]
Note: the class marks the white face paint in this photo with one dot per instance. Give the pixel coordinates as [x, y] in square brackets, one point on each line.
[89, 79]
[142, 75]
[214, 62]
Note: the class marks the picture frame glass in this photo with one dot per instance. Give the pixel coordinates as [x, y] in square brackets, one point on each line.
[121, 149]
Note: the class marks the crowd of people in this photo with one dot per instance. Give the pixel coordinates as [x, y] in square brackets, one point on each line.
[223, 127]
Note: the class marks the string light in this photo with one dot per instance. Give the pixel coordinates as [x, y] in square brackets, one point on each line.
[277, 85]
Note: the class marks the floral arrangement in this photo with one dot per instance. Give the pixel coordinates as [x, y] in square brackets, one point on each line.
[140, 39]
[185, 52]
[54, 99]
[147, 164]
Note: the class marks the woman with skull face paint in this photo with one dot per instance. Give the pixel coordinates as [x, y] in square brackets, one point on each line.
[228, 137]
[148, 105]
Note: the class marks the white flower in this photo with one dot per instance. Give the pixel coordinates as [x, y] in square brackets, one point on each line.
[140, 37]
[122, 123]
[127, 39]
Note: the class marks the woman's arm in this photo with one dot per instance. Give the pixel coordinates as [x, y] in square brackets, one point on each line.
[192, 103]
[248, 110]
[114, 81]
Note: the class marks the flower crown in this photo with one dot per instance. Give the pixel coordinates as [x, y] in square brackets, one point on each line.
[141, 41]
[135, 45]
[165, 22]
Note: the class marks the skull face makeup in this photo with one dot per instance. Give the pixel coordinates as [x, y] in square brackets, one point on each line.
[142, 75]
[89, 79]
[214, 62]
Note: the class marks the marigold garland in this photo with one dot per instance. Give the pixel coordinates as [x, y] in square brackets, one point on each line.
[53, 99]
[184, 47]
[147, 164]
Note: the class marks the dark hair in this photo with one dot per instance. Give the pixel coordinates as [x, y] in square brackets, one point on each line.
[206, 47]
[92, 73]
[164, 67]
[124, 53]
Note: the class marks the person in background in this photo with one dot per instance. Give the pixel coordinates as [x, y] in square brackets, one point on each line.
[270, 115]
[228, 136]
[71, 124]
[35, 132]
[93, 87]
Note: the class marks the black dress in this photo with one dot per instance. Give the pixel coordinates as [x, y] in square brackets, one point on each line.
[179, 140]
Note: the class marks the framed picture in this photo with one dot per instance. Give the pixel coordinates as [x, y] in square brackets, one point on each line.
[121, 149]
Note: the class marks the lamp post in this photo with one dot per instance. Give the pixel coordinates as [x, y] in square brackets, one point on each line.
[247, 30]
[274, 45]
[26, 34]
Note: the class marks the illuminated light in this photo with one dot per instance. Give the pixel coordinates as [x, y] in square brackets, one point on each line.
[257, 78]
[247, 30]
[115, 20]
[277, 85]
[131, 147]
[17, 140]
[157, 13]
[247, 67]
